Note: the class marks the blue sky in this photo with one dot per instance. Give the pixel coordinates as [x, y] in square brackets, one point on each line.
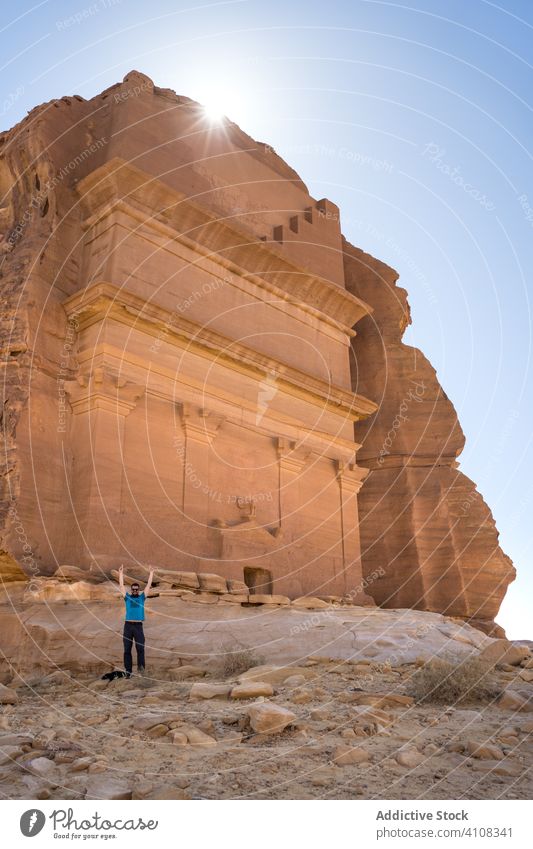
[416, 118]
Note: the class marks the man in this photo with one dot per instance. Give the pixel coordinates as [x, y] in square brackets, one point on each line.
[133, 624]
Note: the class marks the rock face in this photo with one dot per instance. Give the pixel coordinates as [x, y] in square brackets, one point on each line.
[421, 519]
[185, 310]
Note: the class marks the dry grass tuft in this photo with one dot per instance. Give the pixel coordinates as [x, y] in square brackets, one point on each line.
[234, 661]
[454, 681]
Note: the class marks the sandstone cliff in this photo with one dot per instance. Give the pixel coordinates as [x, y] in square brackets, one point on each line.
[420, 517]
[422, 522]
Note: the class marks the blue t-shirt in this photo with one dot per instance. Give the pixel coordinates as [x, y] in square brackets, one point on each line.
[134, 607]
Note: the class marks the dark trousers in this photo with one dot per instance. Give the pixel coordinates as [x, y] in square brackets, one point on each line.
[133, 631]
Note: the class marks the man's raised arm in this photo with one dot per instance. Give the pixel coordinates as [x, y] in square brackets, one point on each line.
[148, 586]
[121, 580]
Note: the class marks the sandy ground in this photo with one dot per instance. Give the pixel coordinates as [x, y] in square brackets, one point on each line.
[69, 738]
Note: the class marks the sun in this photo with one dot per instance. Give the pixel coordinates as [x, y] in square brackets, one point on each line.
[213, 111]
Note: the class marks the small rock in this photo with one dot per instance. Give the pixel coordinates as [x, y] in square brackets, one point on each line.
[8, 696]
[108, 788]
[309, 603]
[179, 738]
[409, 758]
[158, 730]
[182, 673]
[80, 764]
[301, 697]
[41, 766]
[195, 737]
[483, 751]
[512, 700]
[170, 793]
[526, 675]
[346, 755]
[9, 753]
[269, 718]
[294, 681]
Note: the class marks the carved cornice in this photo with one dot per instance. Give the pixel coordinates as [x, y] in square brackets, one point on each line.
[102, 390]
[104, 300]
[291, 458]
[157, 205]
[350, 476]
[199, 424]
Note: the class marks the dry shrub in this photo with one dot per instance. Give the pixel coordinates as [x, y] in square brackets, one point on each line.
[454, 681]
[234, 661]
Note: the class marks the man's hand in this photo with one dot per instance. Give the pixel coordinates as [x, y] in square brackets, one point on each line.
[149, 584]
[121, 579]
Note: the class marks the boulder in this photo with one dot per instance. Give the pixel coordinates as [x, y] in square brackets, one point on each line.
[515, 701]
[503, 652]
[237, 587]
[182, 673]
[201, 598]
[275, 674]
[269, 718]
[186, 580]
[210, 583]
[252, 690]
[309, 603]
[264, 598]
[209, 691]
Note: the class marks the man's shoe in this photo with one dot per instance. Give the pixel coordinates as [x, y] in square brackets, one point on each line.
[127, 675]
[141, 670]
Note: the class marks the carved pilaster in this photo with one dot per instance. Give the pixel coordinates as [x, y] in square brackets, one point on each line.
[200, 428]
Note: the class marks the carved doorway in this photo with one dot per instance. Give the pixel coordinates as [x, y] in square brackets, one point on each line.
[258, 581]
